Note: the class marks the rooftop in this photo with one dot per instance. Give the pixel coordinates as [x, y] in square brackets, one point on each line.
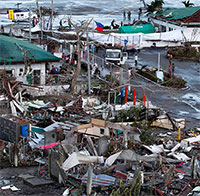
[12, 51]
[176, 13]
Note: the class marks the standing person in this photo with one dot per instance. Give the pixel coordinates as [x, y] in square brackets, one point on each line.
[53, 69]
[136, 59]
[170, 59]
[122, 95]
[63, 57]
[124, 16]
[173, 69]
[170, 70]
[2, 29]
[125, 43]
[139, 13]
[33, 22]
[129, 16]
[68, 59]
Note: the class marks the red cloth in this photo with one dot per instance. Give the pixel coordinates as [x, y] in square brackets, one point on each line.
[49, 145]
[63, 56]
[100, 29]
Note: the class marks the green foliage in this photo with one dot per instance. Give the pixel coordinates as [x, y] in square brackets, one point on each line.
[186, 52]
[147, 137]
[187, 3]
[132, 114]
[45, 11]
[175, 82]
[134, 190]
[155, 5]
[149, 75]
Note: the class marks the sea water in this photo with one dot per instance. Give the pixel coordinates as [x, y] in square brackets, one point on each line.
[103, 11]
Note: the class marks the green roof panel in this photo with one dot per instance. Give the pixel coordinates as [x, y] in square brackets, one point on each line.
[10, 51]
[145, 28]
[177, 13]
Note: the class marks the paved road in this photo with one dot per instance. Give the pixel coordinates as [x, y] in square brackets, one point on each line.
[178, 103]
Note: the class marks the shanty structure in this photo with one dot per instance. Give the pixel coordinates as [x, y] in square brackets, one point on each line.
[176, 18]
[22, 58]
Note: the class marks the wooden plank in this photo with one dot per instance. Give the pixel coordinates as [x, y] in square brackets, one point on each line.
[121, 127]
[99, 123]
[162, 125]
[84, 126]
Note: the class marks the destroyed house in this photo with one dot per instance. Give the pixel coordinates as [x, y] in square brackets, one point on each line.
[176, 18]
[23, 59]
[57, 131]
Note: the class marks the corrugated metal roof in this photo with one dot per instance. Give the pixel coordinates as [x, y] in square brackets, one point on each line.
[64, 125]
[176, 13]
[10, 52]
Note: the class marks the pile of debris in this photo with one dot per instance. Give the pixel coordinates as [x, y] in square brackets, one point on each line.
[135, 150]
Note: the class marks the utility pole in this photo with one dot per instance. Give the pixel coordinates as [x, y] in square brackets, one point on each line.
[30, 24]
[88, 60]
[51, 27]
[159, 61]
[41, 24]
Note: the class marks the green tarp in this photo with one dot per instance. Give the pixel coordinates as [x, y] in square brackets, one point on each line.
[176, 13]
[10, 51]
[145, 28]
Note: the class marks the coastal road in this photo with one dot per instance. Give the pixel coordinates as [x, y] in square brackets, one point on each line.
[178, 103]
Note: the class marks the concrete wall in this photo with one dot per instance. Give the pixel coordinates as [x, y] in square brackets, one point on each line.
[18, 71]
[98, 131]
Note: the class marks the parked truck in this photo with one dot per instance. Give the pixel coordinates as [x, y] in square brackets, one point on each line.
[116, 56]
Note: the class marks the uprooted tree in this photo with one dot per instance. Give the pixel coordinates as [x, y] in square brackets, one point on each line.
[80, 30]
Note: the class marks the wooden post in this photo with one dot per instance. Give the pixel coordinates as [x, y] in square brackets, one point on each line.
[89, 182]
[134, 97]
[125, 139]
[126, 95]
[15, 155]
[179, 134]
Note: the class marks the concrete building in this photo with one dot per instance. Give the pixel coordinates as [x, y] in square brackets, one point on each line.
[24, 60]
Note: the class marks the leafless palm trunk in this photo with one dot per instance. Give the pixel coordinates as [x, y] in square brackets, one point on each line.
[79, 33]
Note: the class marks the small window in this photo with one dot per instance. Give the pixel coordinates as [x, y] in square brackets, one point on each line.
[53, 135]
[101, 131]
[22, 14]
[21, 70]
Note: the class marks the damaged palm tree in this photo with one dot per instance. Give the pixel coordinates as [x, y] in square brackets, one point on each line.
[79, 33]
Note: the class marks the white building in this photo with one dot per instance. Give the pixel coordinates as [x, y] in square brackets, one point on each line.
[13, 53]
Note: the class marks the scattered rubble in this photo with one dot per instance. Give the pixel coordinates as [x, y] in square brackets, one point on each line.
[94, 147]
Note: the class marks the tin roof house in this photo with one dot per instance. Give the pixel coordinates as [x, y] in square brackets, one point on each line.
[22, 59]
[176, 18]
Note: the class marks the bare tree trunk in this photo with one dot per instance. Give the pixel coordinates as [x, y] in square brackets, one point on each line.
[79, 33]
[143, 1]
[77, 73]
